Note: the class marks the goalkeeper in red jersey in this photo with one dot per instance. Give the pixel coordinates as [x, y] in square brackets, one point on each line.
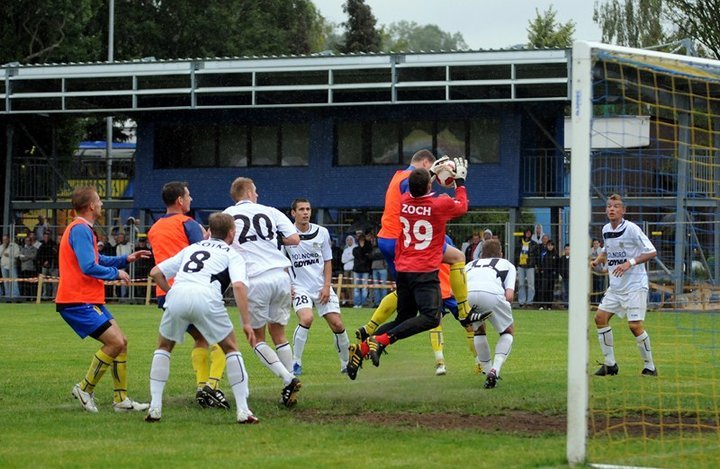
[418, 253]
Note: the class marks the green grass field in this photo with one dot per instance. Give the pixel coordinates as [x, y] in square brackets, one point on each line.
[397, 415]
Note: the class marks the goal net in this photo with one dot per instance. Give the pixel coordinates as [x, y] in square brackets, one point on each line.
[646, 126]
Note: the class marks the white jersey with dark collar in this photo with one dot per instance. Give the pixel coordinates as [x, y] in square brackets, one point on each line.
[492, 275]
[210, 263]
[621, 244]
[259, 230]
[308, 258]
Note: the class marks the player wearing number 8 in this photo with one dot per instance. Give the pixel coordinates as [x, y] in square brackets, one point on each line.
[202, 272]
[260, 231]
[418, 253]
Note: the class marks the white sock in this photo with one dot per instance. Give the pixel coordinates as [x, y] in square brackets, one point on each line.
[439, 357]
[341, 345]
[643, 344]
[502, 350]
[300, 337]
[159, 374]
[482, 351]
[269, 358]
[605, 337]
[238, 379]
[284, 353]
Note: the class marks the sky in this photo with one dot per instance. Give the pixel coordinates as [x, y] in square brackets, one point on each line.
[484, 24]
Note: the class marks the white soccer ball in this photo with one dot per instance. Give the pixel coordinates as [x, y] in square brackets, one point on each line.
[445, 175]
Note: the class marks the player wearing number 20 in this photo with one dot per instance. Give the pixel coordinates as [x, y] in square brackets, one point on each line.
[418, 253]
[202, 272]
[260, 231]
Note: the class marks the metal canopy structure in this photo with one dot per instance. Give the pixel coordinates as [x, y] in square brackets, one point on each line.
[297, 81]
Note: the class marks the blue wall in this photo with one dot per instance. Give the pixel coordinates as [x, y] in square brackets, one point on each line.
[327, 186]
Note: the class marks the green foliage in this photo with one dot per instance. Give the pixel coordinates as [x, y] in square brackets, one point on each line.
[410, 36]
[41, 31]
[633, 23]
[698, 20]
[360, 32]
[546, 32]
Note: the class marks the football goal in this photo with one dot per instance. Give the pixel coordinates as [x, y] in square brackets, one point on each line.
[646, 125]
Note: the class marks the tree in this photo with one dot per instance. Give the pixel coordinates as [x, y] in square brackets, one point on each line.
[42, 31]
[360, 32]
[632, 23]
[698, 20]
[546, 32]
[410, 36]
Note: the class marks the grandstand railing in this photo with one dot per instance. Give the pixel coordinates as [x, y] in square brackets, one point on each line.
[37, 178]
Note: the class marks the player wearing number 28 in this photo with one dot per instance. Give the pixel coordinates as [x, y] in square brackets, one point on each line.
[311, 274]
[260, 232]
[418, 253]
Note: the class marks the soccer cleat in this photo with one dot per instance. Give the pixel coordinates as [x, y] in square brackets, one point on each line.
[297, 369]
[128, 405]
[376, 349]
[606, 370]
[288, 396]
[355, 361]
[440, 369]
[201, 398]
[215, 398]
[361, 334]
[491, 380]
[475, 315]
[87, 399]
[246, 417]
[649, 372]
[153, 415]
[478, 369]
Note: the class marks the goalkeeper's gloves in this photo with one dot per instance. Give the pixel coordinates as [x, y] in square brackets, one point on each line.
[461, 165]
[436, 166]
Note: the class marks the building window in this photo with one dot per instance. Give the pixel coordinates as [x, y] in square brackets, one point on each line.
[206, 146]
[484, 141]
[390, 143]
[232, 146]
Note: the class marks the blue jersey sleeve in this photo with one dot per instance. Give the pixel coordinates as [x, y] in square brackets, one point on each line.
[82, 240]
[193, 231]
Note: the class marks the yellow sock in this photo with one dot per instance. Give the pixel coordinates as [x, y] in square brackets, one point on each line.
[458, 283]
[436, 340]
[387, 307]
[201, 364]
[98, 366]
[470, 336]
[217, 366]
[120, 377]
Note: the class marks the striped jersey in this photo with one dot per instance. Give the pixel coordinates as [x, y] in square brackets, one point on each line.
[491, 275]
[212, 263]
[258, 236]
[621, 244]
[308, 258]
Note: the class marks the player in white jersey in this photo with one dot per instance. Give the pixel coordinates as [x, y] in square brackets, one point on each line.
[625, 252]
[491, 287]
[202, 272]
[311, 274]
[260, 232]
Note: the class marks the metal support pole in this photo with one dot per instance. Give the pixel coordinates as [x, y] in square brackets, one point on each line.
[9, 132]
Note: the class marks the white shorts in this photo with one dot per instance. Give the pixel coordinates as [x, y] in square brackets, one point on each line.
[502, 310]
[302, 299]
[197, 305]
[631, 305]
[269, 298]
